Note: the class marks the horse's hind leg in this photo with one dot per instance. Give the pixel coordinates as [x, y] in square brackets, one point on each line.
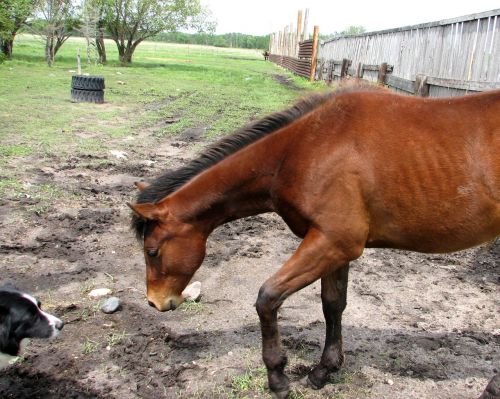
[333, 297]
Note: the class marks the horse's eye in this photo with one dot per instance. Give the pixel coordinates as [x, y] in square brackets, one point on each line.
[152, 252]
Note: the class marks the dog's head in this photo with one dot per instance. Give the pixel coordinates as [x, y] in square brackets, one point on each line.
[21, 317]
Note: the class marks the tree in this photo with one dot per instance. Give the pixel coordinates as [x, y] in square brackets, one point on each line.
[58, 22]
[353, 30]
[129, 22]
[350, 30]
[92, 27]
[13, 15]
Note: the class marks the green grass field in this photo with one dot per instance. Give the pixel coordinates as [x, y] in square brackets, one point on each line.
[216, 89]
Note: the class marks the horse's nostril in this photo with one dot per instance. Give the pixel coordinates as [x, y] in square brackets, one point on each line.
[151, 304]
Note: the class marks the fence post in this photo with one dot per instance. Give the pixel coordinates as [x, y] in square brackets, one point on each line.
[421, 86]
[299, 26]
[321, 63]
[382, 71]
[305, 34]
[314, 53]
[359, 71]
[345, 67]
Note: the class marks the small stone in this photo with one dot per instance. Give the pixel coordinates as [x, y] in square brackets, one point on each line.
[389, 382]
[99, 292]
[111, 305]
[119, 154]
[192, 292]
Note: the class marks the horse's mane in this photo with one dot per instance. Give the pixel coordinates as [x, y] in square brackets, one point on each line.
[169, 182]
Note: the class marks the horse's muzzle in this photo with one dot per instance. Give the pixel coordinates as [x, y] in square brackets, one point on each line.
[169, 303]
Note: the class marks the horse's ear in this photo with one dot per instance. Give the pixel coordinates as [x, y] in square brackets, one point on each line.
[141, 185]
[148, 211]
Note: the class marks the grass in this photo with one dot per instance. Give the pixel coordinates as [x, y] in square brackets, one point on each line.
[116, 338]
[167, 89]
[191, 306]
[89, 346]
[252, 381]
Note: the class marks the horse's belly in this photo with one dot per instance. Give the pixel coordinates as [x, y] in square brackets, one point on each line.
[436, 233]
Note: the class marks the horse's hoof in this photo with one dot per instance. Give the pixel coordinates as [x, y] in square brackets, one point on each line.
[280, 394]
[306, 382]
[492, 391]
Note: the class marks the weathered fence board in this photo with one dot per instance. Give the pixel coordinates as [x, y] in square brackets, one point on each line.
[456, 55]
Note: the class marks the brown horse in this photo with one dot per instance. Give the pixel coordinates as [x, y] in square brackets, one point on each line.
[346, 170]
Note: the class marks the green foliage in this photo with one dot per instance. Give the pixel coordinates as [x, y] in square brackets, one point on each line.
[238, 40]
[350, 30]
[58, 21]
[353, 30]
[13, 14]
[129, 22]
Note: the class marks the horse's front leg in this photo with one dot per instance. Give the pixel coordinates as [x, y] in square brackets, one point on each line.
[274, 357]
[334, 299]
[315, 257]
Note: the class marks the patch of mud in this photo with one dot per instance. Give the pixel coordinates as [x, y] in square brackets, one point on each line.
[192, 134]
[428, 323]
[286, 81]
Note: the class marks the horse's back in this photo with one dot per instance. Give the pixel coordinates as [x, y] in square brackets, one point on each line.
[425, 174]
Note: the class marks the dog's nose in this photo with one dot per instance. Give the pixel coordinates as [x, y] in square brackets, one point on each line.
[59, 325]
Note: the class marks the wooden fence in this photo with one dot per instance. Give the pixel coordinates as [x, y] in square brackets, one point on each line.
[292, 49]
[300, 65]
[442, 58]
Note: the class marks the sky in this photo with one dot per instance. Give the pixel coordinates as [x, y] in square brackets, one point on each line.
[260, 17]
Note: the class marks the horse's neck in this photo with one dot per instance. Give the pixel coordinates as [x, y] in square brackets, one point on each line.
[236, 187]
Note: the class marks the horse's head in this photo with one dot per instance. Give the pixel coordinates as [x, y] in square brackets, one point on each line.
[173, 251]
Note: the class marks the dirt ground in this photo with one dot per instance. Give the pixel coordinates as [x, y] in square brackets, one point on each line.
[416, 325]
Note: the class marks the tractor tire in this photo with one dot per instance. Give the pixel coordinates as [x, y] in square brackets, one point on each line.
[81, 82]
[87, 96]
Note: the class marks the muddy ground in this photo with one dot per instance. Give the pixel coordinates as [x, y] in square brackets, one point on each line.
[416, 325]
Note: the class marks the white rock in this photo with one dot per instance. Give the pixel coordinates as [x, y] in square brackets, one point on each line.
[389, 381]
[192, 292]
[99, 292]
[119, 154]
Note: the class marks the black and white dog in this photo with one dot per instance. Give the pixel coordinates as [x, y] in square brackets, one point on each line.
[21, 317]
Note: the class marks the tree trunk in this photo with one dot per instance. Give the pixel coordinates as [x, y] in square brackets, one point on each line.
[49, 50]
[101, 49]
[6, 47]
[126, 53]
[126, 57]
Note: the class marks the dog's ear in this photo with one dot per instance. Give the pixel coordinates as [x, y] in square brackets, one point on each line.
[5, 325]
